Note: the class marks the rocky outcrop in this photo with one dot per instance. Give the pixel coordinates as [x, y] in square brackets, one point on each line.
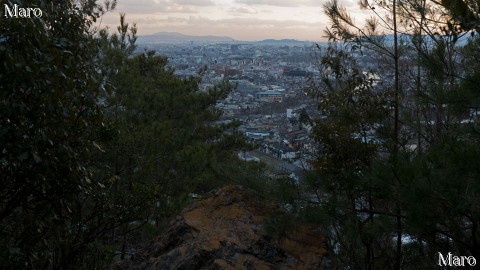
[225, 231]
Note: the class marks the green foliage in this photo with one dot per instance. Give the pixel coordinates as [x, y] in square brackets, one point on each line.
[396, 201]
[164, 138]
[96, 143]
[304, 119]
[50, 127]
[167, 148]
[279, 224]
[351, 112]
[464, 15]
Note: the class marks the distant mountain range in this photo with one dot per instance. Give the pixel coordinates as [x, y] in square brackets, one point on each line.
[173, 37]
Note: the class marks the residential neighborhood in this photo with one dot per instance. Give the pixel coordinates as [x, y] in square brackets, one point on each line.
[269, 79]
[269, 82]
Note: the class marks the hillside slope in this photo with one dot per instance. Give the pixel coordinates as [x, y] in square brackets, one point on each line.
[225, 231]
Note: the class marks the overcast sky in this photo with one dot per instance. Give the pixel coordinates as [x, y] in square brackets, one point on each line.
[239, 19]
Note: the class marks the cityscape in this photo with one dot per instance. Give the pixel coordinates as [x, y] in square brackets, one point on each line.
[269, 79]
[239, 134]
[268, 98]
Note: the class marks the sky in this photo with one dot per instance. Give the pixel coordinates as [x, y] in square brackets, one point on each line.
[245, 20]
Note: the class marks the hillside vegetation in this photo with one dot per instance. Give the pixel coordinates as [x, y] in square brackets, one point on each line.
[101, 148]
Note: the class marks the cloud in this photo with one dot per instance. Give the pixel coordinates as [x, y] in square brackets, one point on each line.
[194, 2]
[237, 28]
[242, 10]
[259, 19]
[139, 6]
[281, 3]
[350, 4]
[162, 6]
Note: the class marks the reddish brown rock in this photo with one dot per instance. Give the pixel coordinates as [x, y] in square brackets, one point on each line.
[225, 231]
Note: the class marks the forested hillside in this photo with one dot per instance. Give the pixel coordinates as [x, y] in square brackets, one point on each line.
[97, 145]
[100, 147]
[397, 166]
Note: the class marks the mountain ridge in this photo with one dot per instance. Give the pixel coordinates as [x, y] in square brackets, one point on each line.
[172, 37]
[160, 37]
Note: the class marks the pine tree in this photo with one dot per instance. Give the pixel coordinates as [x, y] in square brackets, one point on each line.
[167, 147]
[51, 125]
[416, 185]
